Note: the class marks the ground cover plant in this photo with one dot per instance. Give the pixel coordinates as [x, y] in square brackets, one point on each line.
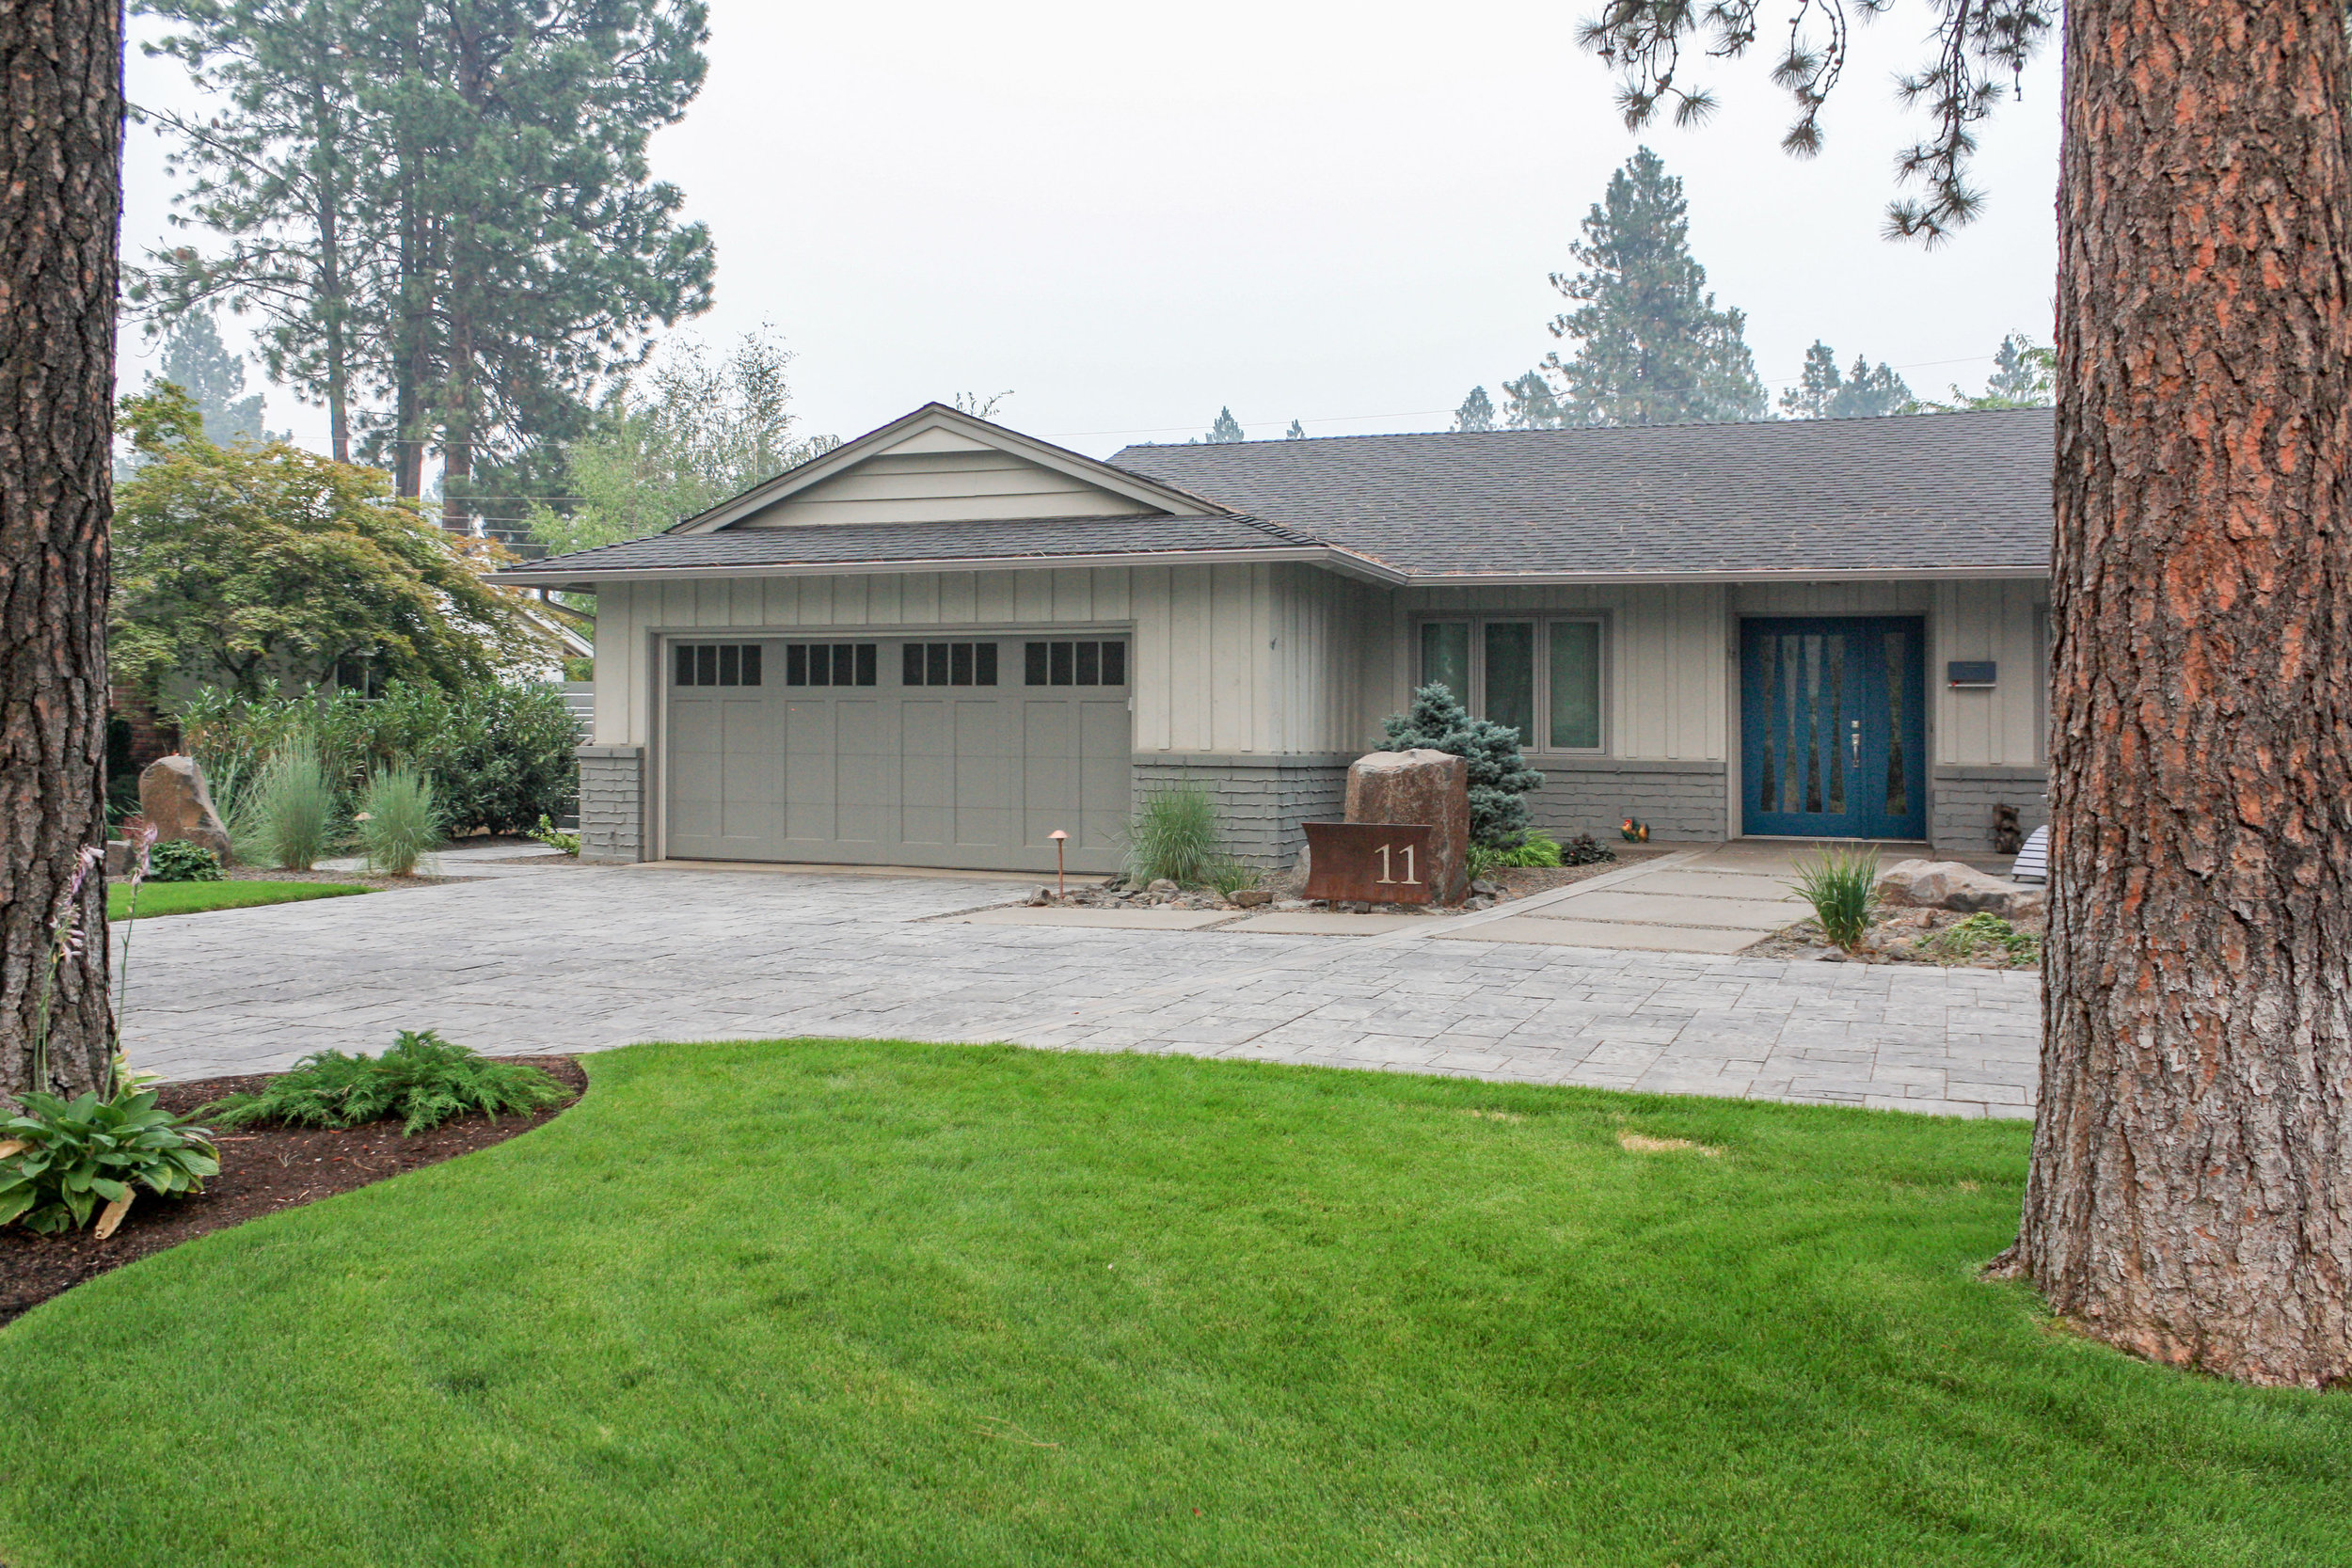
[198, 897]
[857, 1302]
[176, 860]
[421, 1082]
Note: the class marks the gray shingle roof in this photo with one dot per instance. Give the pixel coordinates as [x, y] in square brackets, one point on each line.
[864, 544]
[1912, 492]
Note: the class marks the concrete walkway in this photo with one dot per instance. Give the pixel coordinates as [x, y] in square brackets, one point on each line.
[579, 959]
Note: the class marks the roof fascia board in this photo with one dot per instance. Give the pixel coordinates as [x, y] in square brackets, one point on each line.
[1313, 555]
[1568, 580]
[938, 416]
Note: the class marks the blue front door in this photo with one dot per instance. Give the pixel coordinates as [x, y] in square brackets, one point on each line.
[1833, 727]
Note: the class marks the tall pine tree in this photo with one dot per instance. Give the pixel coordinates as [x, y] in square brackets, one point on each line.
[195, 361]
[1476, 413]
[1652, 346]
[460, 227]
[1865, 392]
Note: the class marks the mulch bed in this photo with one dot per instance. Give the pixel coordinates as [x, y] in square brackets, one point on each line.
[263, 1169]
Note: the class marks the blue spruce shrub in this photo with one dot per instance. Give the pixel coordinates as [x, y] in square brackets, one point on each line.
[1499, 775]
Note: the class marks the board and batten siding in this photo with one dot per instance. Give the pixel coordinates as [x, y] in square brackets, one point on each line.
[1230, 659]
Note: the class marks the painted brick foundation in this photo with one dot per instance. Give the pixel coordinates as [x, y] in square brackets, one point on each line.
[1683, 803]
[612, 804]
[1265, 802]
[1961, 820]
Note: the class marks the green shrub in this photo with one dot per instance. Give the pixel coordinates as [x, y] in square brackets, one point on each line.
[1229, 876]
[64, 1158]
[554, 837]
[1538, 848]
[176, 860]
[1174, 834]
[579, 669]
[289, 812]
[1499, 774]
[399, 821]
[424, 1079]
[1841, 886]
[1982, 933]
[499, 755]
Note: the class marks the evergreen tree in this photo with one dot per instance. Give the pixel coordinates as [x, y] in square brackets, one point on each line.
[1865, 392]
[1476, 413]
[1499, 774]
[1227, 427]
[1296, 433]
[444, 206]
[1652, 346]
[1529, 404]
[195, 361]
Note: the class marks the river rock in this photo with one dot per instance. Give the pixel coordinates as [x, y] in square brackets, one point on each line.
[174, 796]
[1950, 886]
[1423, 786]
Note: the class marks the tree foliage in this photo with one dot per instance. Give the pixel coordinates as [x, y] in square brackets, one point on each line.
[1224, 428]
[678, 438]
[256, 565]
[1865, 392]
[2025, 376]
[1652, 346]
[1499, 775]
[1975, 45]
[195, 361]
[1476, 413]
[442, 210]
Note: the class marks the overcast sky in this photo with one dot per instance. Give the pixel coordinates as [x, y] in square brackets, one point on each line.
[1346, 215]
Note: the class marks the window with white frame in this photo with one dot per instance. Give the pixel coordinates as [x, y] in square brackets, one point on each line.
[1541, 674]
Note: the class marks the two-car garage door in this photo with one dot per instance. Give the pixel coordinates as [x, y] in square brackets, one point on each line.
[968, 751]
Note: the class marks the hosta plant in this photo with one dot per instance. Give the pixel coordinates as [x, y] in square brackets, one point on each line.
[62, 1161]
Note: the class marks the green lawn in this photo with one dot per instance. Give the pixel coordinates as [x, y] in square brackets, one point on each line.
[191, 897]
[850, 1302]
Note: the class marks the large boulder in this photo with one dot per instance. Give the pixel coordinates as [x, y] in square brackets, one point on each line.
[1950, 886]
[173, 796]
[1423, 786]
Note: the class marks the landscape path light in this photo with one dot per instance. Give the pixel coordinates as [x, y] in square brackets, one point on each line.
[1059, 839]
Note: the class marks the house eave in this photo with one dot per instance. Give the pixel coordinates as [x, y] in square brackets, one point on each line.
[1565, 579]
[1331, 559]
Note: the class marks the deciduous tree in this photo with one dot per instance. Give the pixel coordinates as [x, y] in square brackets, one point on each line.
[2190, 1193]
[678, 438]
[264, 567]
[60, 204]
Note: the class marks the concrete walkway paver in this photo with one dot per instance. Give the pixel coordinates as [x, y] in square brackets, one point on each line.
[584, 959]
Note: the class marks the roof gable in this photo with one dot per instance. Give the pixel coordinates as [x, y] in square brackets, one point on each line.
[941, 465]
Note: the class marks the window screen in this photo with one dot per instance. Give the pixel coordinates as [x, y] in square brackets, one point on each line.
[717, 664]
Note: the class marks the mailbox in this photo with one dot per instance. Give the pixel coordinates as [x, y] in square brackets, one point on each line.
[1969, 672]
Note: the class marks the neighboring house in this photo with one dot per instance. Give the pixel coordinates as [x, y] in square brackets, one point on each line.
[938, 644]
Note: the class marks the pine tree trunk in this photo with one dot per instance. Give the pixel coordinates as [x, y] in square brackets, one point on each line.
[2191, 1190]
[60, 192]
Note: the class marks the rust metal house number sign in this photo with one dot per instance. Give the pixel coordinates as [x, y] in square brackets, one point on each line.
[1373, 863]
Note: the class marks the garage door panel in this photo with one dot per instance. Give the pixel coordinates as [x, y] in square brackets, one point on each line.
[927, 772]
[864, 792]
[808, 771]
[923, 761]
[1103, 769]
[987, 776]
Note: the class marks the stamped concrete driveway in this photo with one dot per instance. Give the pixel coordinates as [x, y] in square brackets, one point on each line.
[580, 959]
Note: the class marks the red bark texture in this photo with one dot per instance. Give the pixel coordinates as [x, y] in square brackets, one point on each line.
[2190, 1197]
[60, 185]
